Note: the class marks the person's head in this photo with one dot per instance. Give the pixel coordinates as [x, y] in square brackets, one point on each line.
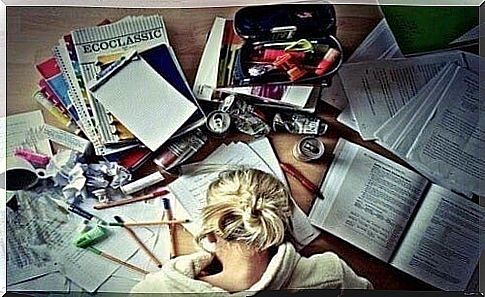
[247, 206]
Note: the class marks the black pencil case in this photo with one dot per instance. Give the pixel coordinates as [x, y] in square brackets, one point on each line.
[268, 30]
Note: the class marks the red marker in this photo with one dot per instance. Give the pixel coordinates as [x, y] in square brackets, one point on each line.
[305, 182]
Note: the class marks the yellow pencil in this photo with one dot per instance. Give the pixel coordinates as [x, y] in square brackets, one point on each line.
[140, 243]
[154, 223]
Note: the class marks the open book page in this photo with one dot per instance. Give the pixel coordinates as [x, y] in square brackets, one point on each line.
[377, 90]
[442, 246]
[448, 146]
[399, 132]
[191, 190]
[368, 199]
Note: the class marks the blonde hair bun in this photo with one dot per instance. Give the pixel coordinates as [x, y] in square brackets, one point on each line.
[247, 205]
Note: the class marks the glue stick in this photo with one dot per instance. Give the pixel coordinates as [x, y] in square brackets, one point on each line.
[142, 183]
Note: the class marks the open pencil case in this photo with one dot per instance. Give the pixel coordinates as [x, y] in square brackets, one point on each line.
[286, 43]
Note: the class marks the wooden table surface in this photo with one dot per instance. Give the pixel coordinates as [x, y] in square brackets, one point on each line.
[33, 31]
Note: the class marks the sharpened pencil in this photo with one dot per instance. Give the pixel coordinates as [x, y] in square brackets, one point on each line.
[154, 223]
[116, 260]
[131, 200]
[140, 243]
[171, 227]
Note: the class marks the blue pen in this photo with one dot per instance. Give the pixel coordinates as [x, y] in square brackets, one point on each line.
[77, 210]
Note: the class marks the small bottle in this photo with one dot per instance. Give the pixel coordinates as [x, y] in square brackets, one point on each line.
[180, 150]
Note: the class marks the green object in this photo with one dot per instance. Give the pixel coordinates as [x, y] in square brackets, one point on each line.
[302, 45]
[90, 237]
[419, 29]
[94, 250]
[321, 48]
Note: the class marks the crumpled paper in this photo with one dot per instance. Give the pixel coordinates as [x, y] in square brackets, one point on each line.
[80, 180]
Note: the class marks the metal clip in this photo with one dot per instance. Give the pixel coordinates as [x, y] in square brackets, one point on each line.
[286, 32]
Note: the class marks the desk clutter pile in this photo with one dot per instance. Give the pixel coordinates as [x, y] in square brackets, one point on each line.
[123, 99]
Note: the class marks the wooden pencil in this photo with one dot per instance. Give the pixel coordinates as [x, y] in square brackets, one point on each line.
[154, 223]
[140, 243]
[116, 260]
[131, 200]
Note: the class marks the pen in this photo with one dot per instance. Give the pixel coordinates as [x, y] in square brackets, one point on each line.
[131, 200]
[77, 210]
[155, 223]
[140, 243]
[305, 182]
[167, 211]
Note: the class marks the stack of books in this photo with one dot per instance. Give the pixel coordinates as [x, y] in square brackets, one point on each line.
[93, 80]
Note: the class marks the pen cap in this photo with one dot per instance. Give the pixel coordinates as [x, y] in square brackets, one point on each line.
[166, 203]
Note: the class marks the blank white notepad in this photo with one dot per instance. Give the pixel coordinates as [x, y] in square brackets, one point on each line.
[144, 102]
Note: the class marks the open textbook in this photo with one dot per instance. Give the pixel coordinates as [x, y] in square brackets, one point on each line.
[399, 217]
[190, 189]
[440, 131]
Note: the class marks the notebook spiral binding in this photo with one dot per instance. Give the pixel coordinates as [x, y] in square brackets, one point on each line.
[78, 101]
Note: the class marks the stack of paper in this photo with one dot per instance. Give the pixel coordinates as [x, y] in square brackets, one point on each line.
[379, 44]
[440, 131]
[42, 257]
[191, 189]
[376, 90]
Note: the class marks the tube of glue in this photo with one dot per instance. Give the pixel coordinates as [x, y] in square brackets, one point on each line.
[142, 183]
[327, 61]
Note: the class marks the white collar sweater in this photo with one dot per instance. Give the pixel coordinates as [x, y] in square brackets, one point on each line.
[286, 270]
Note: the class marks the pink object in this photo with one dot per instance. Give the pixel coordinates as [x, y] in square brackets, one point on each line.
[271, 55]
[35, 159]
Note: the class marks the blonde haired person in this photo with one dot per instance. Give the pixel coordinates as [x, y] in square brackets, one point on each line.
[245, 221]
